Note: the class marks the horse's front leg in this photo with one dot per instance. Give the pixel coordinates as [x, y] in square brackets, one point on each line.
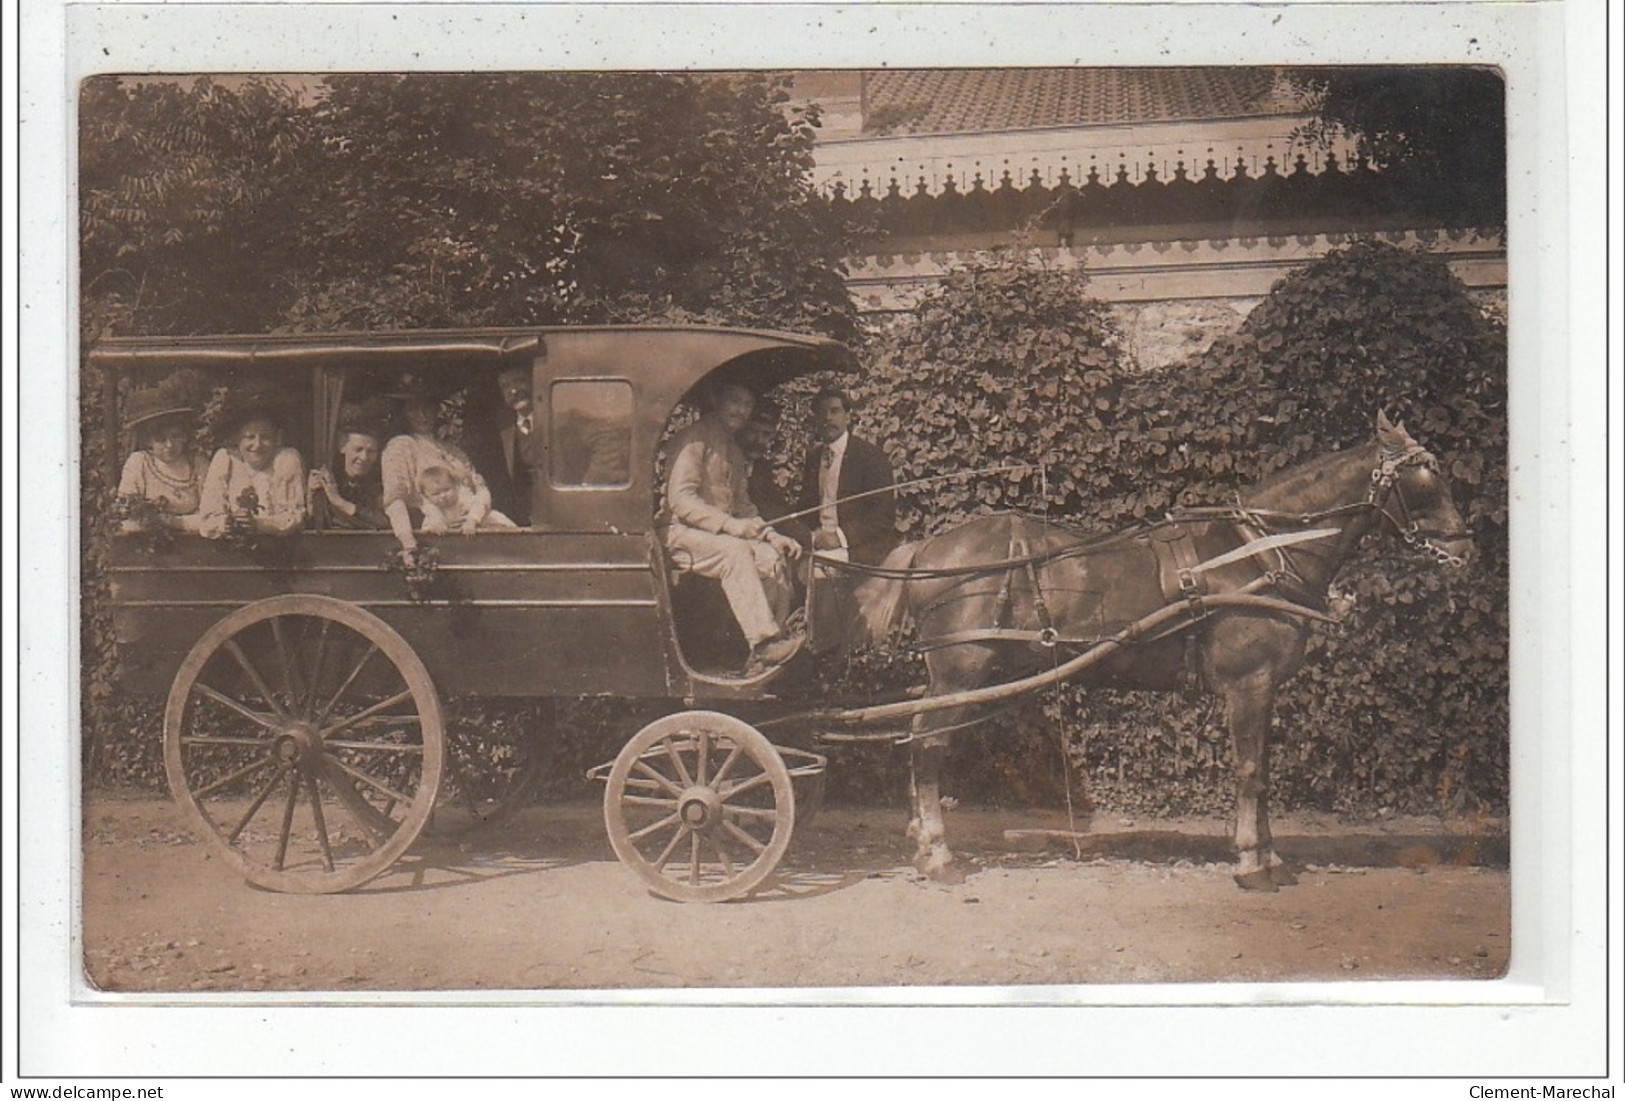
[932, 857]
[1249, 705]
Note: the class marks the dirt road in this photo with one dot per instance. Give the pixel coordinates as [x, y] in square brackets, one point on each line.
[541, 904]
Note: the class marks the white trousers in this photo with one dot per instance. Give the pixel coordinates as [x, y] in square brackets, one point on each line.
[753, 575]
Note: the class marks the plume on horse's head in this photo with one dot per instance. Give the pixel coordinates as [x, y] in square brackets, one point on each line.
[881, 609]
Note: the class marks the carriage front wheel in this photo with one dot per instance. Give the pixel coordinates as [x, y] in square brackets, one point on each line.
[303, 737]
[699, 805]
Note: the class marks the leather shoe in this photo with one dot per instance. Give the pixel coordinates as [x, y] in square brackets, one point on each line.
[771, 652]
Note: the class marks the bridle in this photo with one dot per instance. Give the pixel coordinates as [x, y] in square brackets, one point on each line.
[1387, 488]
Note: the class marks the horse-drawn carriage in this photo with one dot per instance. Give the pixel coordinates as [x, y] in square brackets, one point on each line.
[304, 734]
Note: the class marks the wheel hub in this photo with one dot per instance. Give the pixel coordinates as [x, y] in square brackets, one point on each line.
[700, 807]
[298, 743]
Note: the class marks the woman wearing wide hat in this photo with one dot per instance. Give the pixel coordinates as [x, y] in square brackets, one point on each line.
[253, 482]
[164, 468]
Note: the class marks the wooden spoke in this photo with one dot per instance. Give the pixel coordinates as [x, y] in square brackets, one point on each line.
[722, 854]
[648, 801]
[254, 807]
[664, 782]
[755, 845]
[290, 673]
[727, 765]
[669, 820]
[224, 776]
[220, 739]
[671, 847]
[254, 677]
[378, 824]
[321, 716]
[227, 780]
[676, 759]
[747, 785]
[764, 813]
[376, 709]
[258, 717]
[721, 860]
[377, 785]
[377, 747]
[316, 665]
[287, 822]
[320, 819]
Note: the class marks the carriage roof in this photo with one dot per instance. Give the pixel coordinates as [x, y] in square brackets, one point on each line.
[656, 359]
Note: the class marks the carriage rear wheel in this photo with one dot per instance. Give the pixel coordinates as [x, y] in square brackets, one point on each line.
[303, 737]
[699, 805]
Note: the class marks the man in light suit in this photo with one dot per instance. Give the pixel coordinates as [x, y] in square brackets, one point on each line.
[840, 466]
[509, 453]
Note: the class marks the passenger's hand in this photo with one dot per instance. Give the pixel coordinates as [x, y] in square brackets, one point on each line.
[784, 544]
[434, 527]
[470, 525]
[749, 527]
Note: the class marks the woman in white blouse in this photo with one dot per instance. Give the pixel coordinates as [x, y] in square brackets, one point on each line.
[255, 484]
[408, 455]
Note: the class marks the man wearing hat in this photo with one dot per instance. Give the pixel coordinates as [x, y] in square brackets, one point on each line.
[713, 528]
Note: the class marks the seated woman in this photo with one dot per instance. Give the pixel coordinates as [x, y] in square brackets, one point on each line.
[451, 505]
[408, 455]
[255, 484]
[163, 470]
[348, 493]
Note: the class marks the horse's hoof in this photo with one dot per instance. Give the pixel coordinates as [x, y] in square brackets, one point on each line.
[1283, 876]
[937, 870]
[1261, 880]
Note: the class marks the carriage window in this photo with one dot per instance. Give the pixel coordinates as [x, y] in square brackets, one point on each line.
[591, 441]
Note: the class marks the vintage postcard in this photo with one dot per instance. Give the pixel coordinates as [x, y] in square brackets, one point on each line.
[708, 528]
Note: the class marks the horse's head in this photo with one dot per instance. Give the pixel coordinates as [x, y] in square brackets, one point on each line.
[1410, 490]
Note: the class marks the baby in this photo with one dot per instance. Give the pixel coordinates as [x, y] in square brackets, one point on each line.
[450, 504]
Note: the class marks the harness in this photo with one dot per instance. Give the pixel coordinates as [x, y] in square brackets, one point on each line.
[1182, 576]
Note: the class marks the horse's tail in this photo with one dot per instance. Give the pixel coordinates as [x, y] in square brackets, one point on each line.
[881, 607]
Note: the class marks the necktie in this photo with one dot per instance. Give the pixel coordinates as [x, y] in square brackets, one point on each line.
[524, 424]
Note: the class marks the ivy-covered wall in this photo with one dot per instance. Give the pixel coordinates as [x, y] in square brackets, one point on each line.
[1403, 704]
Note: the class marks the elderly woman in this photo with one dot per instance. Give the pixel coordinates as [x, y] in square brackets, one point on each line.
[163, 469]
[408, 455]
[254, 483]
[348, 493]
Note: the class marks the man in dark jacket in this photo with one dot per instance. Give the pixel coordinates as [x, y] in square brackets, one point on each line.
[508, 453]
[839, 467]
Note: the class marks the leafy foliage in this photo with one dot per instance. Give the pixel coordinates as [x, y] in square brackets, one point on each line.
[1440, 130]
[184, 196]
[1405, 702]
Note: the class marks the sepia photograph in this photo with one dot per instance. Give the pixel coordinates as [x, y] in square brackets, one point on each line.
[984, 492]
[965, 533]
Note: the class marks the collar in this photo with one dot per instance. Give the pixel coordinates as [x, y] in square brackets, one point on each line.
[837, 447]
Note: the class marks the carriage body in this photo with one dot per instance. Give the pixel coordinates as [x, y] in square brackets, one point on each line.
[579, 605]
[303, 728]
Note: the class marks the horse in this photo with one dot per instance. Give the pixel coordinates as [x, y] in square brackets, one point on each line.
[1006, 595]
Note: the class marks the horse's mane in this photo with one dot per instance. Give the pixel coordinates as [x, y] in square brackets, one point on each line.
[1293, 481]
